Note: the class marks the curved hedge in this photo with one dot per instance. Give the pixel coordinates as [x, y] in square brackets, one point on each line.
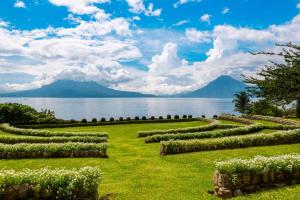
[235, 119]
[8, 139]
[44, 133]
[253, 140]
[208, 134]
[272, 119]
[213, 125]
[48, 184]
[52, 150]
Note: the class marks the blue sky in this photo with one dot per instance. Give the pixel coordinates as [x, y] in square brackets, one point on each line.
[161, 47]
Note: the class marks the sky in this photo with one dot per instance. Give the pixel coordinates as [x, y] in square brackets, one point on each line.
[150, 46]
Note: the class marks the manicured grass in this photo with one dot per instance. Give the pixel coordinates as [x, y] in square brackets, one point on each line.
[135, 170]
[231, 122]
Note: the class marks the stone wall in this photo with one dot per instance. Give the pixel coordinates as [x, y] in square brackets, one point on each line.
[226, 186]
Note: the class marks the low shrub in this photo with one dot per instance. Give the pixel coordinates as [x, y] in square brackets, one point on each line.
[176, 116]
[235, 119]
[160, 117]
[111, 119]
[215, 116]
[73, 121]
[47, 184]
[103, 119]
[8, 139]
[128, 118]
[94, 120]
[272, 119]
[169, 117]
[136, 118]
[144, 118]
[203, 116]
[44, 133]
[253, 140]
[211, 126]
[190, 116]
[207, 134]
[152, 118]
[52, 150]
[184, 116]
[237, 176]
[84, 121]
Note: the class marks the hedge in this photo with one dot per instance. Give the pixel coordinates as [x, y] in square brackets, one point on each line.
[272, 119]
[237, 176]
[8, 139]
[253, 140]
[52, 150]
[207, 134]
[48, 184]
[105, 123]
[213, 125]
[235, 119]
[44, 133]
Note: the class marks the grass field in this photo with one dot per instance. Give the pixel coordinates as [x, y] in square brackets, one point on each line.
[135, 170]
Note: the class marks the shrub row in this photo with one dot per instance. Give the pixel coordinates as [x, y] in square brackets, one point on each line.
[53, 150]
[207, 134]
[160, 120]
[272, 119]
[8, 139]
[253, 140]
[235, 119]
[236, 176]
[44, 133]
[213, 125]
[48, 184]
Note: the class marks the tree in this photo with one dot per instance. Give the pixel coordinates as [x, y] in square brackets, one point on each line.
[242, 102]
[279, 82]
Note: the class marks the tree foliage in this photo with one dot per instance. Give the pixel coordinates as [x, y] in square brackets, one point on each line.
[242, 102]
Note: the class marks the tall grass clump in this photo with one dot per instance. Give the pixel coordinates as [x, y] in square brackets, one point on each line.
[253, 140]
[206, 134]
[44, 133]
[48, 184]
[52, 150]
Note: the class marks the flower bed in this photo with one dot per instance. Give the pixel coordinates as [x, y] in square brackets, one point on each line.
[272, 119]
[8, 139]
[53, 150]
[50, 184]
[236, 176]
[43, 133]
[235, 119]
[213, 125]
[208, 134]
[276, 138]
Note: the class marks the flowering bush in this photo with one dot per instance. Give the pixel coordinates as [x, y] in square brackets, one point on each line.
[49, 184]
[235, 119]
[272, 119]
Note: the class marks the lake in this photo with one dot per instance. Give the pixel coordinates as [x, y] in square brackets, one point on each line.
[78, 108]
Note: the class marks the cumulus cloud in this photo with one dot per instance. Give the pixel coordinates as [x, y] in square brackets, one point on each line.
[298, 5]
[225, 10]
[3, 23]
[205, 18]
[138, 6]
[79, 6]
[194, 35]
[19, 4]
[180, 2]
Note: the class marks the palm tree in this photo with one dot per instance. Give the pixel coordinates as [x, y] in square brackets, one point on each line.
[242, 102]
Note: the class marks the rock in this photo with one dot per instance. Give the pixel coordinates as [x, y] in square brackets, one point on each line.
[237, 192]
[224, 193]
[216, 177]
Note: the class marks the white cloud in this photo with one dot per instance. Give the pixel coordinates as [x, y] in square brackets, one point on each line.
[205, 18]
[3, 23]
[19, 4]
[180, 2]
[194, 35]
[181, 22]
[79, 6]
[298, 5]
[225, 10]
[138, 6]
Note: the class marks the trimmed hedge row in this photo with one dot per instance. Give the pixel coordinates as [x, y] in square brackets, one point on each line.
[44, 133]
[235, 119]
[105, 123]
[253, 140]
[48, 184]
[207, 134]
[7, 139]
[272, 119]
[236, 176]
[213, 125]
[53, 150]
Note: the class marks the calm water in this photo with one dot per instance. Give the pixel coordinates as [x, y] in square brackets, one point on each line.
[78, 108]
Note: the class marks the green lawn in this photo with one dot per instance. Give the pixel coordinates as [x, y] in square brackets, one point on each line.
[135, 170]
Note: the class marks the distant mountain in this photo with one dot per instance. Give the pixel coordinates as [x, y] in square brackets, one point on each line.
[69, 89]
[222, 87]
